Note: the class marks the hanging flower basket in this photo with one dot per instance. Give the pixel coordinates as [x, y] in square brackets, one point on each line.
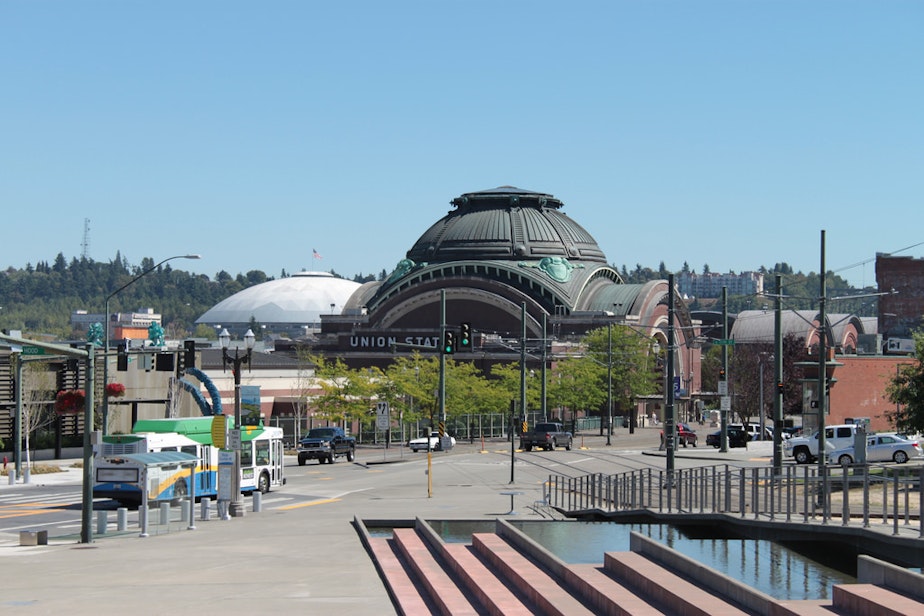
[70, 401]
[115, 390]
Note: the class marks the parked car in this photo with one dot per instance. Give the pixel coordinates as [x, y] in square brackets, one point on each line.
[879, 448]
[686, 435]
[753, 431]
[433, 443]
[737, 437]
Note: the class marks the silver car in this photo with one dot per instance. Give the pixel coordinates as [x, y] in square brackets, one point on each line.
[880, 448]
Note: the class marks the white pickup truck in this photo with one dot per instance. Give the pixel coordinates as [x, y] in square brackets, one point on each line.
[804, 449]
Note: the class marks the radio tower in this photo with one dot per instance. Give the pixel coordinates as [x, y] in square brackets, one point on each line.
[85, 245]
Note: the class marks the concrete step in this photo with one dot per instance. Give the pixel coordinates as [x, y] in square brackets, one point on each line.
[399, 580]
[606, 594]
[803, 607]
[675, 593]
[872, 600]
[439, 585]
[547, 593]
[495, 597]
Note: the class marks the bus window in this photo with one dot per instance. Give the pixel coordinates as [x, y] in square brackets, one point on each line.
[263, 453]
[193, 449]
[246, 454]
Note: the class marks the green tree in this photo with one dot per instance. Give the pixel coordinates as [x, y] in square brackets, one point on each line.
[506, 380]
[345, 393]
[906, 391]
[627, 364]
[575, 386]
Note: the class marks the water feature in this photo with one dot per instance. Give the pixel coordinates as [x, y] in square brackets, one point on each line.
[772, 568]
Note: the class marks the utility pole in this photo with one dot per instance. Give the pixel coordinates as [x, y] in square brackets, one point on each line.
[778, 378]
[544, 395]
[670, 426]
[442, 394]
[723, 380]
[822, 361]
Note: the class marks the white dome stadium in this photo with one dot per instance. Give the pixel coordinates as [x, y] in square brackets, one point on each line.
[290, 305]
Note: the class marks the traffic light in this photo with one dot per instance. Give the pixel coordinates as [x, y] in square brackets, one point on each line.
[449, 342]
[189, 354]
[779, 387]
[465, 336]
[721, 374]
[121, 358]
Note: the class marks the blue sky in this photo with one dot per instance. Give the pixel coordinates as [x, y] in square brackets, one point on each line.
[727, 133]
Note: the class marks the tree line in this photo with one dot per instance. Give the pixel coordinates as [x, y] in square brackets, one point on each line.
[40, 298]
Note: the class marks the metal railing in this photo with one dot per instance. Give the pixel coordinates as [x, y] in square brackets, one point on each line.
[849, 495]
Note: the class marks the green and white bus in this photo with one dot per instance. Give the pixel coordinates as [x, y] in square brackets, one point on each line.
[262, 459]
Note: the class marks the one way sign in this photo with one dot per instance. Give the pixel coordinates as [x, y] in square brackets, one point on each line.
[382, 420]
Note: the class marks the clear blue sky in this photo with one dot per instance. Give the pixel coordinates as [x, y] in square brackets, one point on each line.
[726, 133]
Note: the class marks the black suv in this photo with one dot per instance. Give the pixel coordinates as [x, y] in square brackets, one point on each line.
[737, 437]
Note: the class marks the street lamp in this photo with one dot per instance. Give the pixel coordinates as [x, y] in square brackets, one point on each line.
[105, 426]
[609, 382]
[762, 422]
[236, 508]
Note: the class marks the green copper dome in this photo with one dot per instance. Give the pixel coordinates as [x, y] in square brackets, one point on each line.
[505, 223]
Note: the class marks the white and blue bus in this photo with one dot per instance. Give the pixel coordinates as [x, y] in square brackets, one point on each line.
[262, 459]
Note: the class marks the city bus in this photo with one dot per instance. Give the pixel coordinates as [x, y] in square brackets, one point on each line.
[262, 461]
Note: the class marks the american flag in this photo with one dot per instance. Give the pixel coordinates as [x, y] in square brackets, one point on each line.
[316, 254]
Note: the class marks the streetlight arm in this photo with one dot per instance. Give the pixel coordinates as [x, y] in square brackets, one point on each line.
[146, 272]
[105, 417]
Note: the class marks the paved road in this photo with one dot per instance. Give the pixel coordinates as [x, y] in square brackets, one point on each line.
[303, 554]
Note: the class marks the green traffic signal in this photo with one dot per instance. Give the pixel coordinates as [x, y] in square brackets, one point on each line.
[449, 342]
[465, 336]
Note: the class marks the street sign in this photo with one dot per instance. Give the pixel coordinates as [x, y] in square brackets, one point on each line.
[234, 439]
[28, 349]
[723, 388]
[382, 419]
[724, 342]
[725, 403]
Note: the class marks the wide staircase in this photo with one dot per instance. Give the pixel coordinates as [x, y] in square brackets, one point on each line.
[506, 572]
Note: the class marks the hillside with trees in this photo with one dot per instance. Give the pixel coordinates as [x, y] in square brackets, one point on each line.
[40, 298]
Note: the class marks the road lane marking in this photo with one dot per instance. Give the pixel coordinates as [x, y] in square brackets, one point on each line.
[323, 501]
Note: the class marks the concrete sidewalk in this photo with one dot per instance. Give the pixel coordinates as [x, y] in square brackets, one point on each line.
[304, 558]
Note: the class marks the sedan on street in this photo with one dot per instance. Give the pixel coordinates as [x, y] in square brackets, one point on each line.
[880, 448]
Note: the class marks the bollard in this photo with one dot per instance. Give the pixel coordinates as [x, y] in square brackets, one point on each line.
[122, 518]
[257, 501]
[184, 513]
[164, 513]
[102, 521]
[26, 472]
[204, 506]
[12, 476]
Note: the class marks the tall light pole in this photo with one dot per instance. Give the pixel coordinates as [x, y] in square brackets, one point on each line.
[236, 508]
[762, 419]
[609, 382]
[105, 426]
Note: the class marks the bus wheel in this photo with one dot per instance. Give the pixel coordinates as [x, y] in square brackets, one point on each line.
[264, 485]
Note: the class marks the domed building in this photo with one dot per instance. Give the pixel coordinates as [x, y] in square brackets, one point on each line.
[291, 306]
[496, 255]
